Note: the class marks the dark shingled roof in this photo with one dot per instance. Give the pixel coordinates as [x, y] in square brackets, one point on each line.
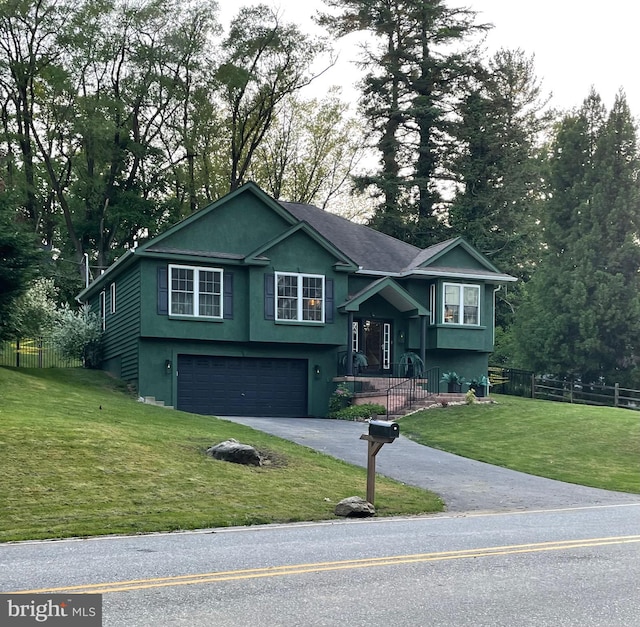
[366, 247]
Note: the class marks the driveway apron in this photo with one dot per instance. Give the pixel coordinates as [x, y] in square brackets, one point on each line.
[465, 485]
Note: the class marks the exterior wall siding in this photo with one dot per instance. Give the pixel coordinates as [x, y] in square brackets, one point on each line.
[466, 363]
[122, 328]
[460, 258]
[248, 323]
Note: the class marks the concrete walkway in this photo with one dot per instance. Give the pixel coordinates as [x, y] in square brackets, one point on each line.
[465, 485]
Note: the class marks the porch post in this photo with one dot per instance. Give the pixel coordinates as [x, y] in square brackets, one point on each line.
[350, 345]
[423, 339]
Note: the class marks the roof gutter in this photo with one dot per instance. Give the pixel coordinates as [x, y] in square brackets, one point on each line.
[502, 278]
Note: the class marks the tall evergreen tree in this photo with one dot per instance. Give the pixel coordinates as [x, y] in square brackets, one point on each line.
[498, 164]
[583, 309]
[410, 91]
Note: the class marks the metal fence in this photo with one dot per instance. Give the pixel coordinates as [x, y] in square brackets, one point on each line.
[34, 353]
[407, 392]
[516, 382]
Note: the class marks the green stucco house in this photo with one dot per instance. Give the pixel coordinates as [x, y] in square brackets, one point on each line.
[253, 306]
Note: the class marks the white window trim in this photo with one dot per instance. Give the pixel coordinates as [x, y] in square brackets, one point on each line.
[103, 310]
[460, 287]
[432, 303]
[355, 340]
[299, 298]
[386, 346]
[196, 291]
[112, 290]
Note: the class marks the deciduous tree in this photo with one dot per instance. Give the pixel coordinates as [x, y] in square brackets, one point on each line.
[264, 61]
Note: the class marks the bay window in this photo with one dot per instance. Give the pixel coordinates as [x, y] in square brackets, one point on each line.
[461, 304]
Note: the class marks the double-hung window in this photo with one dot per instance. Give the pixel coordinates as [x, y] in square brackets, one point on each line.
[461, 304]
[299, 297]
[195, 291]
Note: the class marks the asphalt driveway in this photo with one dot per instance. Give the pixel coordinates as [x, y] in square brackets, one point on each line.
[465, 485]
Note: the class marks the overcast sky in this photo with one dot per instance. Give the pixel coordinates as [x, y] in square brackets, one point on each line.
[576, 43]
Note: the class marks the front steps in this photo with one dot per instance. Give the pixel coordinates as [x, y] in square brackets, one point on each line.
[151, 400]
[374, 390]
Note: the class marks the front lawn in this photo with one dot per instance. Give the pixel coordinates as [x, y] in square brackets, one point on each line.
[81, 457]
[592, 446]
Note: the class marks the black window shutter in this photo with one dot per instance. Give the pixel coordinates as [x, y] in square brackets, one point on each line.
[269, 297]
[163, 291]
[329, 304]
[227, 297]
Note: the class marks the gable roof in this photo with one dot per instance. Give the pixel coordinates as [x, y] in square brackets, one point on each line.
[432, 262]
[371, 250]
[378, 254]
[252, 188]
[356, 247]
[391, 292]
[342, 261]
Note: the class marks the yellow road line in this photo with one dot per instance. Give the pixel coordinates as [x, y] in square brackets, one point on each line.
[297, 569]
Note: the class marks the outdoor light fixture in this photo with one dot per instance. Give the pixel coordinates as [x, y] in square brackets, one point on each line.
[401, 336]
[316, 370]
[167, 366]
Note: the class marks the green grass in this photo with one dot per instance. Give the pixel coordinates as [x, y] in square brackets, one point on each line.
[592, 446]
[70, 468]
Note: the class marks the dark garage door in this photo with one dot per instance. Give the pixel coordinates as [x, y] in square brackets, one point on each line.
[242, 386]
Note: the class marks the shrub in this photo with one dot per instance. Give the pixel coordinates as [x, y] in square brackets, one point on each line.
[359, 412]
[340, 399]
[78, 335]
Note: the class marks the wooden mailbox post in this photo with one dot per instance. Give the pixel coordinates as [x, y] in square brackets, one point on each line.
[380, 433]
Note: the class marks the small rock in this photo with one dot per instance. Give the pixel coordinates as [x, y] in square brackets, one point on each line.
[354, 507]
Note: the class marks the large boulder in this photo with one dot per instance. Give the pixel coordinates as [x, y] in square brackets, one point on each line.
[233, 451]
[354, 507]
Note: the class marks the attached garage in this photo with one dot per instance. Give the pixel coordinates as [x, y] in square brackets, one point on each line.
[242, 386]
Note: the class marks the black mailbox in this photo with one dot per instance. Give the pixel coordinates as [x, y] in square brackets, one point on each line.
[384, 429]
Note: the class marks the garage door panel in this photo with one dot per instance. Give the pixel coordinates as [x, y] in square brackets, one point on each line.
[242, 386]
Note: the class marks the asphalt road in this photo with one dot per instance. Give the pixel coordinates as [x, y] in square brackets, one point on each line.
[563, 568]
[465, 485]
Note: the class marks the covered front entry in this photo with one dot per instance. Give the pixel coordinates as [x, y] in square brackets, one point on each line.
[373, 338]
[242, 386]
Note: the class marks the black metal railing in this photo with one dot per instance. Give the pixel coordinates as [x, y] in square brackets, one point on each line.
[408, 392]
